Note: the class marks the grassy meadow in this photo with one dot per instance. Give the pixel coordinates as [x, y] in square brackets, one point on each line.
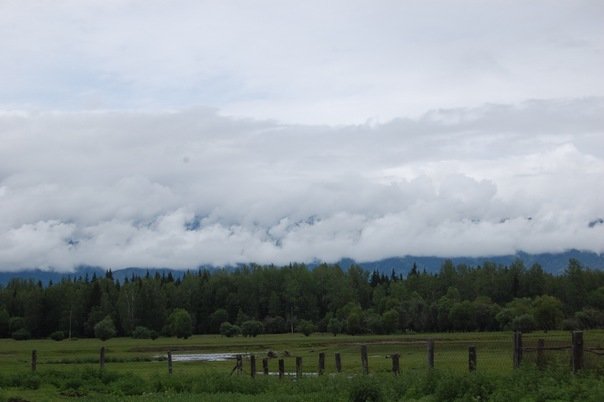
[137, 369]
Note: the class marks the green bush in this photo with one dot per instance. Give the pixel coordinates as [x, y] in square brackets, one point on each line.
[57, 336]
[571, 324]
[22, 380]
[306, 327]
[131, 384]
[72, 383]
[105, 329]
[141, 332]
[21, 334]
[180, 323]
[524, 323]
[365, 389]
[178, 384]
[251, 328]
[31, 381]
[229, 330]
[334, 326]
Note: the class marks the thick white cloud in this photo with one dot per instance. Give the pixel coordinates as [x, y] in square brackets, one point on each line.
[180, 189]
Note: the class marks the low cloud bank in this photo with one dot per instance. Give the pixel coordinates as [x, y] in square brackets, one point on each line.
[180, 189]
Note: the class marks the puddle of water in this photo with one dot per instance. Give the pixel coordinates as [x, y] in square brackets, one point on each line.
[205, 357]
[293, 374]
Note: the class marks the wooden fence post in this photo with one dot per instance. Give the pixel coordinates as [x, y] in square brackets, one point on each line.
[364, 359]
[396, 368]
[472, 358]
[577, 339]
[102, 358]
[540, 353]
[169, 362]
[34, 359]
[281, 368]
[265, 366]
[430, 350]
[298, 367]
[253, 365]
[239, 364]
[517, 349]
[338, 363]
[321, 363]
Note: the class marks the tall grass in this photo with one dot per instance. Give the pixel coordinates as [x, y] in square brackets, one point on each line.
[525, 384]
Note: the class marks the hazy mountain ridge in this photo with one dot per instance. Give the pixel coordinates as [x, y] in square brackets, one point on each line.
[551, 262]
[554, 263]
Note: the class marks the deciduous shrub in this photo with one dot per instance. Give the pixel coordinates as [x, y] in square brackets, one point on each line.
[21, 334]
[334, 326]
[251, 328]
[141, 332]
[57, 336]
[306, 327]
[524, 323]
[104, 329]
[229, 330]
[180, 323]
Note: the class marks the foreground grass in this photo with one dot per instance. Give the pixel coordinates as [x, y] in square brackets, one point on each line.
[136, 370]
[526, 384]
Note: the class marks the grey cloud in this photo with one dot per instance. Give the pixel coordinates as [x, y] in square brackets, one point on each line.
[123, 188]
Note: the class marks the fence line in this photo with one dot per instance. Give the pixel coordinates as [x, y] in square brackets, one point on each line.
[576, 347]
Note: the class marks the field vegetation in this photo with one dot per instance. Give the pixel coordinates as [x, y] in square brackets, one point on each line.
[138, 370]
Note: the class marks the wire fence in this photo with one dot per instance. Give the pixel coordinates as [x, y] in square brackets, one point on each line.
[573, 351]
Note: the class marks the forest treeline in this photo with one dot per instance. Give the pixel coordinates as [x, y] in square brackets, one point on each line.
[256, 299]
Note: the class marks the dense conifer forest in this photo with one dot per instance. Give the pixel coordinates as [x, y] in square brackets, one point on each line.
[255, 299]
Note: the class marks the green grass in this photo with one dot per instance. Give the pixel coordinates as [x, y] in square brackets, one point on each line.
[69, 369]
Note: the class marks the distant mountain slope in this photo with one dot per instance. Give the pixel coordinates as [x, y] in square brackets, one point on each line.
[551, 262]
[46, 276]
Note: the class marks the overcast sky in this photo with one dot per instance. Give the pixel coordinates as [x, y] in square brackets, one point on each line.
[174, 134]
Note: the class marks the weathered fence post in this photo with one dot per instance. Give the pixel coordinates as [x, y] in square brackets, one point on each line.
[34, 359]
[102, 358]
[540, 353]
[577, 339]
[430, 350]
[281, 368]
[321, 363]
[364, 359]
[239, 364]
[169, 362]
[265, 366]
[253, 365]
[517, 349]
[338, 363]
[298, 367]
[396, 368]
[472, 358]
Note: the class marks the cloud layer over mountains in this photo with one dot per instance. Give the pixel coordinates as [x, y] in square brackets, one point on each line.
[183, 188]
